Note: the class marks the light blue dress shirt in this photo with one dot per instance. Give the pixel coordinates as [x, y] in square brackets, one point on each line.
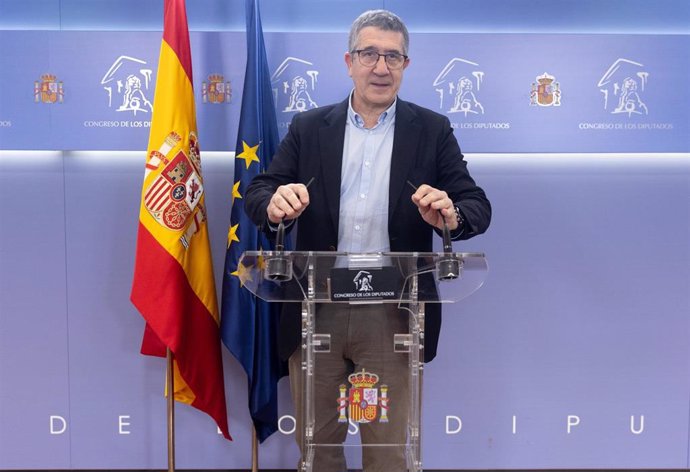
[364, 183]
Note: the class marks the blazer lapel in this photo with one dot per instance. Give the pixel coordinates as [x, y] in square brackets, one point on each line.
[405, 140]
[331, 143]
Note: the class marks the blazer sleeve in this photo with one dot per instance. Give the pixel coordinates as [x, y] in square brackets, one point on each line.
[283, 170]
[454, 178]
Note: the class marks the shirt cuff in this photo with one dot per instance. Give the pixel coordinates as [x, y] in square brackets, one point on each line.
[274, 227]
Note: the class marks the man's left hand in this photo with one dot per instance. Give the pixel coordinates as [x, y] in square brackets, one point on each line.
[435, 206]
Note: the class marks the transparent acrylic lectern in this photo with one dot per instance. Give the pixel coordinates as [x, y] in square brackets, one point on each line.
[409, 280]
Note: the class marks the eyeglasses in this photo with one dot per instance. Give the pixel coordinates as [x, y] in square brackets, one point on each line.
[369, 58]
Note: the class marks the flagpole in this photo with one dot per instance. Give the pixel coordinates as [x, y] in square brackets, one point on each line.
[255, 452]
[171, 412]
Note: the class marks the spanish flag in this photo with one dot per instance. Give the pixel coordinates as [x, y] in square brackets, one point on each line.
[173, 285]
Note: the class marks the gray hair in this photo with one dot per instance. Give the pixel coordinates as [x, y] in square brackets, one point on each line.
[382, 19]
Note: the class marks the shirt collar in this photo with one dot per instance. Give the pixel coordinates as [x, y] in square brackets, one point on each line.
[357, 120]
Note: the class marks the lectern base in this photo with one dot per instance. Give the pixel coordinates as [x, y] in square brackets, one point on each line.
[403, 458]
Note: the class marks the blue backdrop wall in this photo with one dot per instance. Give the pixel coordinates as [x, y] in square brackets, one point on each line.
[575, 353]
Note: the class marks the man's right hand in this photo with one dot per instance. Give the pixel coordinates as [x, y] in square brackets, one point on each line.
[287, 203]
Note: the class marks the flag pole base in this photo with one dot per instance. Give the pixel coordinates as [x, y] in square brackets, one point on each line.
[171, 411]
[255, 451]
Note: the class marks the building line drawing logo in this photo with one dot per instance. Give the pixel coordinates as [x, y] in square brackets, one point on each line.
[362, 281]
[294, 82]
[623, 86]
[458, 85]
[127, 83]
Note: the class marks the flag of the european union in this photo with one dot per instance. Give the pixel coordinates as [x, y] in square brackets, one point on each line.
[248, 324]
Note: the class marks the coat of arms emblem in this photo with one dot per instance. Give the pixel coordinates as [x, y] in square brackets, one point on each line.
[545, 91]
[364, 399]
[217, 90]
[175, 193]
[48, 90]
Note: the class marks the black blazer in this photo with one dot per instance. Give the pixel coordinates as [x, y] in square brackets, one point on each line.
[424, 151]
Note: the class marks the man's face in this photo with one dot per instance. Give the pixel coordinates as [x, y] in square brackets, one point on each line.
[376, 86]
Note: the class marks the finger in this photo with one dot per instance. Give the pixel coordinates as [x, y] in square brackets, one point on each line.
[437, 199]
[442, 203]
[302, 193]
[419, 195]
[278, 208]
[274, 213]
[448, 211]
[288, 200]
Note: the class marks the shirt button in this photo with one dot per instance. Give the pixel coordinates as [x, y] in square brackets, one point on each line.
[367, 163]
[362, 196]
[358, 227]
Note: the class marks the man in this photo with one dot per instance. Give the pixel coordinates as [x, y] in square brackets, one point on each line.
[361, 154]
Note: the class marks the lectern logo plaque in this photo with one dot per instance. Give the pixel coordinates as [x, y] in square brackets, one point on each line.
[362, 281]
[371, 284]
[364, 399]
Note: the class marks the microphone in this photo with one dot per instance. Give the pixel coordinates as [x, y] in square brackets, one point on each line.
[279, 265]
[448, 266]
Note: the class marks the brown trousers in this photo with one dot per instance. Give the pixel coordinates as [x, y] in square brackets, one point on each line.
[361, 338]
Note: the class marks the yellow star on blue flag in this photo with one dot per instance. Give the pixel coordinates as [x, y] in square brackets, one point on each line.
[232, 234]
[236, 190]
[248, 154]
[243, 273]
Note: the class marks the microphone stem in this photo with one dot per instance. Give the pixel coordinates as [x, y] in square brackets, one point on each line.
[280, 236]
[447, 244]
[280, 233]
